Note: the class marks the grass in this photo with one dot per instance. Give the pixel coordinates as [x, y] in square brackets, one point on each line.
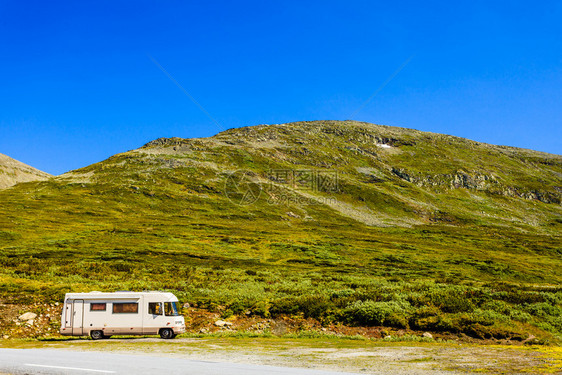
[477, 261]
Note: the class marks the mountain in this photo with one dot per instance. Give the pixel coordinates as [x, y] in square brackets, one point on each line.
[13, 172]
[377, 175]
[338, 221]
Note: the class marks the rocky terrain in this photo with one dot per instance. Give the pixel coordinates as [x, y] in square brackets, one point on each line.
[13, 172]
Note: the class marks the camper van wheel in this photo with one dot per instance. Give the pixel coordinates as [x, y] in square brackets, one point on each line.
[96, 335]
[166, 333]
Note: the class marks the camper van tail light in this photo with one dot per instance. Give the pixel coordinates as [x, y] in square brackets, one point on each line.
[168, 323]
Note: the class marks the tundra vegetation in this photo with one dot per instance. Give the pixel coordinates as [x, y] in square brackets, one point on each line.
[346, 222]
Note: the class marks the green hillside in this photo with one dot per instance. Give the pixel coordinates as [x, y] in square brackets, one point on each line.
[343, 222]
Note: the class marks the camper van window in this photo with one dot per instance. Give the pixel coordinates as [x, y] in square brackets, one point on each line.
[155, 308]
[97, 306]
[171, 308]
[125, 308]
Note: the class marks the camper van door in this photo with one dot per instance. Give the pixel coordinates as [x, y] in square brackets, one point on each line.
[77, 317]
[154, 318]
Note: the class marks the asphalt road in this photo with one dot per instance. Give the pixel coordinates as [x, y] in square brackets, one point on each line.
[44, 361]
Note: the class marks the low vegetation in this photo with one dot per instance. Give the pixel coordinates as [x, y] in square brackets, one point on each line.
[429, 233]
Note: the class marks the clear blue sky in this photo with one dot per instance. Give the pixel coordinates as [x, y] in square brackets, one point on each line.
[77, 84]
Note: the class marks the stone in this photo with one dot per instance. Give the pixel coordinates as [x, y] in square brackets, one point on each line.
[27, 316]
[428, 335]
[30, 322]
[203, 330]
[220, 323]
[186, 305]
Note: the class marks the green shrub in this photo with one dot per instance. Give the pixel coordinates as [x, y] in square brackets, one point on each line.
[451, 300]
[8, 235]
[498, 306]
[485, 317]
[426, 318]
[311, 306]
[521, 316]
[521, 297]
[543, 310]
[391, 313]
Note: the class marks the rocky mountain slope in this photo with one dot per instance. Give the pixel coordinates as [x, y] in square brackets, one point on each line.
[13, 172]
[376, 175]
[343, 222]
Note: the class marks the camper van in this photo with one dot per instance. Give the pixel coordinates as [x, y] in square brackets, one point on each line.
[101, 315]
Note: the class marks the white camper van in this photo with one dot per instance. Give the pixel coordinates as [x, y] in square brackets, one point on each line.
[101, 315]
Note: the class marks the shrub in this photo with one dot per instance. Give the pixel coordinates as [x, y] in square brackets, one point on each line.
[520, 297]
[521, 316]
[311, 306]
[486, 317]
[543, 310]
[426, 318]
[390, 313]
[451, 300]
[497, 306]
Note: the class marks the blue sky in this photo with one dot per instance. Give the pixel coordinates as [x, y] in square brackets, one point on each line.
[77, 83]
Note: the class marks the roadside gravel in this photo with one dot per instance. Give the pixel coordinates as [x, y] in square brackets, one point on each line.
[359, 356]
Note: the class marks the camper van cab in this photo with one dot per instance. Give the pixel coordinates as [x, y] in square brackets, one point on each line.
[101, 315]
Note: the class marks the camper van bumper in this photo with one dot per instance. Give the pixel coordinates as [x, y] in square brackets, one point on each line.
[179, 330]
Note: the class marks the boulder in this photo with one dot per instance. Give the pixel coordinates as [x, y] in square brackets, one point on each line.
[428, 335]
[220, 323]
[27, 316]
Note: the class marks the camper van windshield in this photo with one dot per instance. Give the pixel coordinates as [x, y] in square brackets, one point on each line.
[172, 308]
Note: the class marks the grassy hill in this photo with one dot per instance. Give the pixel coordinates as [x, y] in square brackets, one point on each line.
[343, 222]
[13, 172]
